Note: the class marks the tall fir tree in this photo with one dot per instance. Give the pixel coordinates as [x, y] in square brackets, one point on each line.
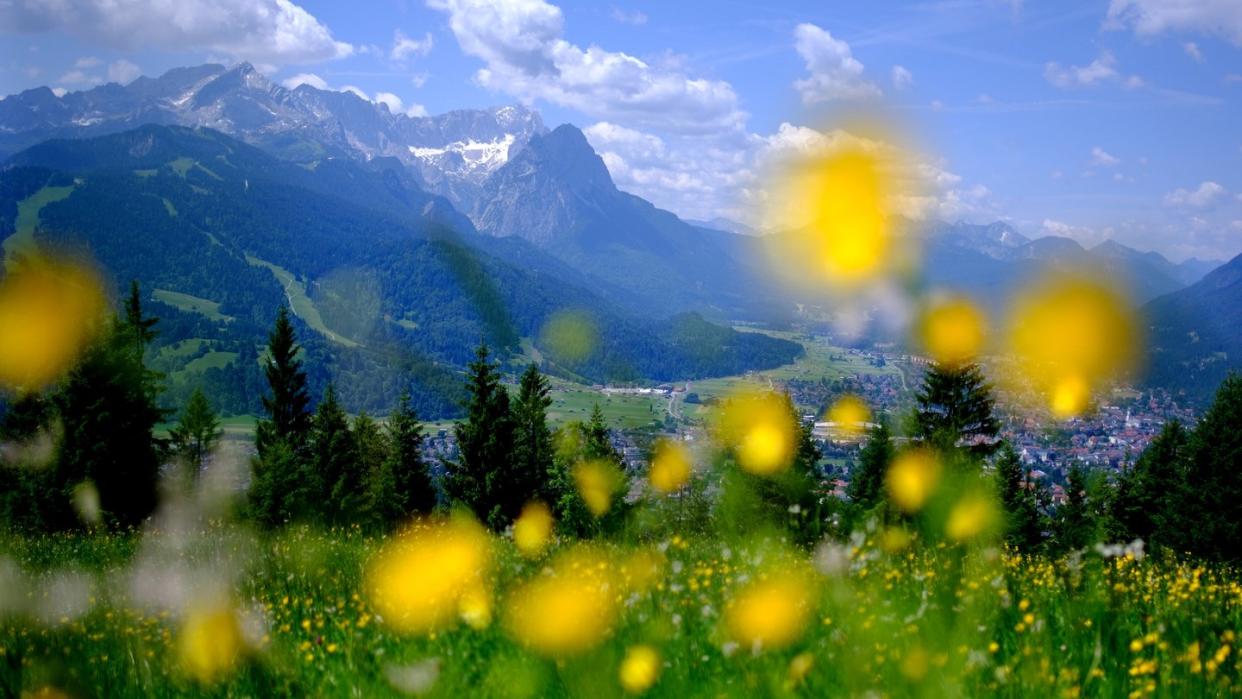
[954, 411]
[1151, 492]
[1212, 509]
[278, 487]
[1024, 525]
[403, 487]
[335, 480]
[197, 433]
[577, 443]
[532, 439]
[866, 489]
[107, 406]
[1076, 521]
[485, 443]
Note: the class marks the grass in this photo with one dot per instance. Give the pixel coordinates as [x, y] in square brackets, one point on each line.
[922, 621]
[191, 304]
[572, 401]
[300, 303]
[211, 360]
[22, 241]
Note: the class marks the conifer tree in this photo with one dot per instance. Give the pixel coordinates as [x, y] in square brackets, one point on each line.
[279, 485]
[532, 440]
[107, 406]
[197, 432]
[403, 487]
[1150, 492]
[1075, 522]
[485, 442]
[334, 477]
[577, 443]
[1211, 516]
[954, 411]
[866, 489]
[1023, 521]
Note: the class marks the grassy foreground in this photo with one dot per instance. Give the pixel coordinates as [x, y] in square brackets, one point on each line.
[884, 615]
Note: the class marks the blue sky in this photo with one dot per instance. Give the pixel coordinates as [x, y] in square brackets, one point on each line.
[1118, 118]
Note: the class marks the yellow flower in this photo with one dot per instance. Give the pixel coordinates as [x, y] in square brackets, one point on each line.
[912, 478]
[569, 336]
[568, 609]
[770, 613]
[418, 581]
[849, 414]
[475, 606]
[209, 642]
[952, 330]
[49, 312]
[761, 430]
[597, 481]
[670, 466]
[533, 528]
[971, 516]
[639, 669]
[799, 668]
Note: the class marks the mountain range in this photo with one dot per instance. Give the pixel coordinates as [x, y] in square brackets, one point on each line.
[322, 181]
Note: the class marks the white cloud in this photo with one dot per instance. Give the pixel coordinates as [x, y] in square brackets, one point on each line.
[1205, 194]
[1149, 17]
[354, 89]
[274, 32]
[80, 78]
[305, 79]
[636, 17]
[1103, 158]
[86, 62]
[123, 72]
[834, 72]
[1192, 50]
[902, 78]
[525, 54]
[1101, 70]
[403, 46]
[1085, 235]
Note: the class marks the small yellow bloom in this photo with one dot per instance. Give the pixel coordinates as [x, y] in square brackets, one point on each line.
[800, 667]
[670, 466]
[849, 414]
[952, 330]
[597, 482]
[760, 429]
[533, 528]
[568, 609]
[770, 613]
[640, 669]
[912, 478]
[971, 516]
[209, 643]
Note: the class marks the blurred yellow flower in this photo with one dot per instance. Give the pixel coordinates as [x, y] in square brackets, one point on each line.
[639, 669]
[419, 581]
[800, 667]
[475, 606]
[569, 336]
[952, 330]
[760, 429]
[912, 478]
[568, 608]
[533, 528]
[971, 516]
[49, 312]
[597, 482]
[850, 415]
[209, 643]
[670, 466]
[770, 613]
[1072, 332]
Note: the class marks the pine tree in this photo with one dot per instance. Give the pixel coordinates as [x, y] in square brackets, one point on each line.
[866, 489]
[580, 442]
[485, 442]
[1150, 493]
[107, 406]
[532, 440]
[372, 449]
[334, 476]
[279, 486]
[197, 432]
[404, 486]
[1024, 523]
[954, 411]
[1212, 510]
[1076, 521]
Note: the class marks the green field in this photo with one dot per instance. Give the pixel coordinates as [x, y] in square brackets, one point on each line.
[191, 304]
[219, 611]
[300, 303]
[23, 238]
[211, 360]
